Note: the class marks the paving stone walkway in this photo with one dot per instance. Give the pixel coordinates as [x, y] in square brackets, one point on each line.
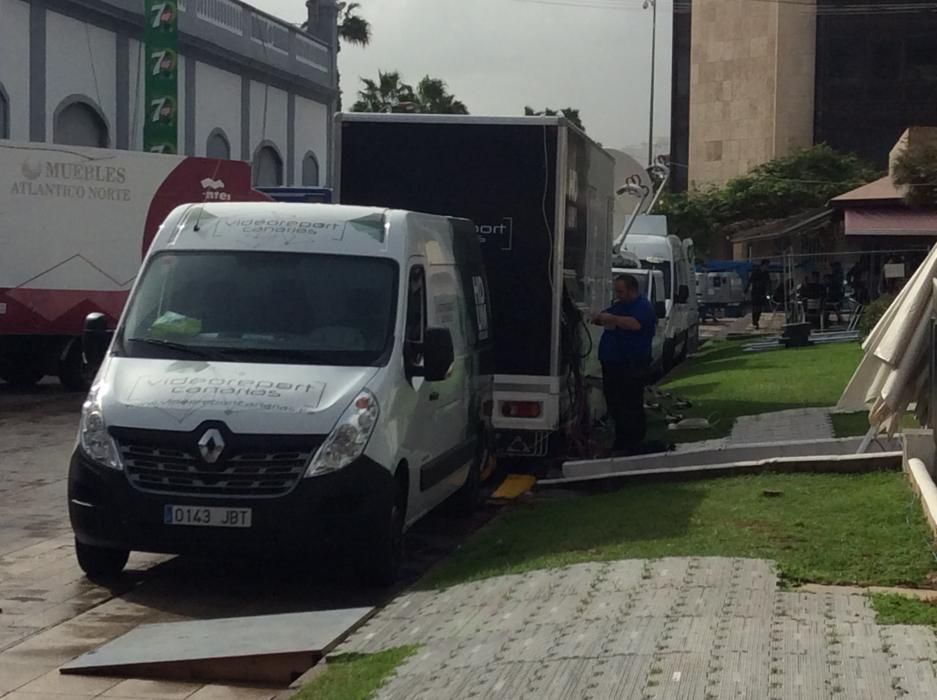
[694, 628]
[783, 426]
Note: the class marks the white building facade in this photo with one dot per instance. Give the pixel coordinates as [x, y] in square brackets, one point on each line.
[251, 87]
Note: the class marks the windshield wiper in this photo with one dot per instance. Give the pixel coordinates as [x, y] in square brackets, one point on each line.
[181, 347]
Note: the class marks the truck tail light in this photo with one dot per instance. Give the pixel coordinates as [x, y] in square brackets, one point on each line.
[521, 409]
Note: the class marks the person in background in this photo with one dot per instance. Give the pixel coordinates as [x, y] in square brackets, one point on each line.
[625, 354]
[759, 282]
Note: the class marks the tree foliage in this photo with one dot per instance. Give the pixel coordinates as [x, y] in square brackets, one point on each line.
[915, 170]
[778, 189]
[570, 113]
[352, 27]
[389, 93]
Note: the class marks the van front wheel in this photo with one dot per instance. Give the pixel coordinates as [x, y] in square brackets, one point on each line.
[100, 563]
[379, 559]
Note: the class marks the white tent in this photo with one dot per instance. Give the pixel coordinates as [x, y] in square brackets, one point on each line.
[895, 370]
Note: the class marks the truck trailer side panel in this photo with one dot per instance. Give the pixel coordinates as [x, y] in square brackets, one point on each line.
[503, 178]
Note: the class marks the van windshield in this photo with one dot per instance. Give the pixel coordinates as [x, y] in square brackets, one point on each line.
[263, 307]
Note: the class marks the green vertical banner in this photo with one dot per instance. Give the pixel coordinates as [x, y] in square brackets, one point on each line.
[161, 47]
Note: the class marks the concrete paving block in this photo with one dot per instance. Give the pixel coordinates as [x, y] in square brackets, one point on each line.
[621, 576]
[802, 606]
[539, 584]
[606, 606]
[856, 639]
[690, 635]
[511, 618]
[863, 679]
[584, 640]
[800, 677]
[738, 674]
[560, 610]
[531, 643]
[618, 677]
[479, 651]
[377, 634]
[854, 608]
[431, 658]
[569, 679]
[678, 677]
[668, 572]
[702, 602]
[411, 605]
[744, 634]
[910, 641]
[711, 571]
[792, 637]
[916, 679]
[756, 603]
[636, 635]
[504, 682]
[655, 602]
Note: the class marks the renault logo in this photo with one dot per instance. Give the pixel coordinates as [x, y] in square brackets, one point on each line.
[211, 445]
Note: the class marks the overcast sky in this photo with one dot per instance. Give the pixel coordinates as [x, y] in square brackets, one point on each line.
[499, 55]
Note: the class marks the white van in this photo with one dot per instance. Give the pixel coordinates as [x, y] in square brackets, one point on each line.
[657, 250]
[286, 376]
[651, 284]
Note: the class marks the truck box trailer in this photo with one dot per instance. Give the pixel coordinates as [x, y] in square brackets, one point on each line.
[75, 224]
[541, 195]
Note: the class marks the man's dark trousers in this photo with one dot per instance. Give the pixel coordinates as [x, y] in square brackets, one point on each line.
[624, 396]
[758, 306]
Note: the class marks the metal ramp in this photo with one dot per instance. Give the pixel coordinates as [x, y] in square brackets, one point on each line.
[267, 649]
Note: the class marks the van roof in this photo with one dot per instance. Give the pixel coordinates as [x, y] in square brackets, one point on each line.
[283, 226]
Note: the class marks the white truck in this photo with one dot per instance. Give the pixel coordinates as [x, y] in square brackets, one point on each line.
[649, 240]
[75, 224]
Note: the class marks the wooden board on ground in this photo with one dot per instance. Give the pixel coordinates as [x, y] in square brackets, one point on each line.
[266, 649]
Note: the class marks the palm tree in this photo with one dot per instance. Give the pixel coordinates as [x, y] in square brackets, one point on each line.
[569, 112]
[387, 94]
[433, 97]
[352, 27]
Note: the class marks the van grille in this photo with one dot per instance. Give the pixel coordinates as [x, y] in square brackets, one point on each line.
[159, 466]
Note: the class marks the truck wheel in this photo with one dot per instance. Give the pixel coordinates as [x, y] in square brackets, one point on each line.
[100, 563]
[379, 558]
[684, 350]
[464, 501]
[20, 373]
[74, 373]
[667, 362]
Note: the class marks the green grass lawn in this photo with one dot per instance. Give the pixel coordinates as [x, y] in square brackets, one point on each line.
[894, 609]
[723, 382]
[354, 676]
[857, 424]
[837, 529]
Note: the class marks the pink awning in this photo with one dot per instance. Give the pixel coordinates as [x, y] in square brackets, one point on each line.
[890, 222]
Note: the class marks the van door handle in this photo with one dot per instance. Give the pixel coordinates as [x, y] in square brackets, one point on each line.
[434, 396]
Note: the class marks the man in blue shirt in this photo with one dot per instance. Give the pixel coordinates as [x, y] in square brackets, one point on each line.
[625, 354]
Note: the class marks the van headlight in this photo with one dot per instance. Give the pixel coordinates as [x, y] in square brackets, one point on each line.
[348, 438]
[93, 436]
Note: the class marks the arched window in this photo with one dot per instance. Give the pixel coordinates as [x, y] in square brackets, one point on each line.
[310, 170]
[267, 166]
[78, 123]
[4, 114]
[217, 145]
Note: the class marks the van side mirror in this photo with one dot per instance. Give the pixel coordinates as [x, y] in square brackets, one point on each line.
[438, 354]
[660, 308]
[683, 294]
[95, 338]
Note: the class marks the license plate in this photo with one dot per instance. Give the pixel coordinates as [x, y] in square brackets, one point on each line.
[206, 517]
